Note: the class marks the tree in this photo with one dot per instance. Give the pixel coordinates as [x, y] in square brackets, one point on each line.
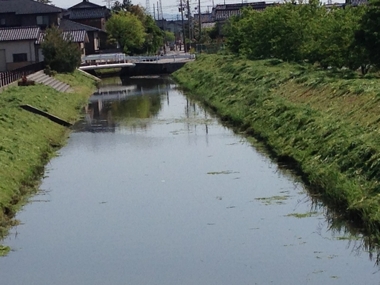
[169, 36]
[127, 29]
[62, 55]
[154, 36]
[125, 6]
[367, 37]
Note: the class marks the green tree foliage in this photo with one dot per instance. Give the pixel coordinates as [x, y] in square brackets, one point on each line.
[169, 36]
[61, 54]
[127, 29]
[308, 32]
[367, 37]
[118, 6]
[153, 36]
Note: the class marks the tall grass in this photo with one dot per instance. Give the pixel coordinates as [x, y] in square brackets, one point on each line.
[326, 122]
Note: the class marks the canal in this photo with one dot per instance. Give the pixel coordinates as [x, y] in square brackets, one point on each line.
[151, 189]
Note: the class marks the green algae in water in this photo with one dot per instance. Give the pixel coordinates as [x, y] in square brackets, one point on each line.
[221, 172]
[273, 200]
[4, 250]
[302, 215]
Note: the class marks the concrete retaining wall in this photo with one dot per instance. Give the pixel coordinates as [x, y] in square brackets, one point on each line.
[145, 68]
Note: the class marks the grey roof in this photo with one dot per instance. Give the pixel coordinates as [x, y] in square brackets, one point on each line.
[85, 4]
[22, 7]
[77, 36]
[238, 6]
[67, 25]
[19, 33]
[88, 13]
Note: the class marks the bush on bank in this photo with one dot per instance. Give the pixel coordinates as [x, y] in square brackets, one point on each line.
[324, 121]
[28, 141]
[315, 33]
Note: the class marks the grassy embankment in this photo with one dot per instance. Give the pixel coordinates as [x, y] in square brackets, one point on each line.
[28, 141]
[326, 123]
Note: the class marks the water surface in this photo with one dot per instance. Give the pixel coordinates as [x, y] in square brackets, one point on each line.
[152, 189]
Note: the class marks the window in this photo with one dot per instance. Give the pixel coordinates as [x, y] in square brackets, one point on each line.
[43, 20]
[2, 21]
[20, 57]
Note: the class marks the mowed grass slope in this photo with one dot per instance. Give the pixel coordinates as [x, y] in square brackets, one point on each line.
[326, 122]
[28, 141]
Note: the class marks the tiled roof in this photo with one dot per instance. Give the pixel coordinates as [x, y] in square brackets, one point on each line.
[19, 33]
[77, 36]
[88, 13]
[85, 4]
[21, 7]
[67, 25]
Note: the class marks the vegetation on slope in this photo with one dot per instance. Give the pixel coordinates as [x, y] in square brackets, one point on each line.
[326, 122]
[28, 141]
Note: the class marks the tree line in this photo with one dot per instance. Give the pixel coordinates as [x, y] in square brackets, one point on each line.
[328, 36]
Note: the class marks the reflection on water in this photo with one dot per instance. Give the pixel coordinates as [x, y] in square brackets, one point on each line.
[120, 102]
[152, 189]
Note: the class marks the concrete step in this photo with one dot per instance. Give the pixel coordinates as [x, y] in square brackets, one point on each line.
[42, 78]
[36, 76]
[47, 80]
[62, 87]
[55, 84]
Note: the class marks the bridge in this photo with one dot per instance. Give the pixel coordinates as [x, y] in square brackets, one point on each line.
[123, 58]
[137, 65]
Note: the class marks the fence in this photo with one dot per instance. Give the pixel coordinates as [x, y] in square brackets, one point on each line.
[8, 77]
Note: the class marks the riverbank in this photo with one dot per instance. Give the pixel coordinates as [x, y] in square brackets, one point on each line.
[28, 141]
[325, 123]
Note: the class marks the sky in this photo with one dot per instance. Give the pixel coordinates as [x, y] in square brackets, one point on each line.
[169, 7]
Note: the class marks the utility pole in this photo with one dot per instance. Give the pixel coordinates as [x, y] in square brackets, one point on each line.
[147, 6]
[200, 22]
[158, 12]
[183, 28]
[154, 12]
[189, 18]
[161, 13]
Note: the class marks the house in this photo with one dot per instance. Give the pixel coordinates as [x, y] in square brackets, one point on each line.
[21, 46]
[206, 20]
[356, 2]
[78, 37]
[92, 15]
[94, 35]
[22, 26]
[17, 47]
[26, 13]
[222, 12]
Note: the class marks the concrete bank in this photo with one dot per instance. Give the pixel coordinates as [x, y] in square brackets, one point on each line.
[324, 123]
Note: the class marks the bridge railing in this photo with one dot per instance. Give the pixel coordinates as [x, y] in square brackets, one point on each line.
[120, 57]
